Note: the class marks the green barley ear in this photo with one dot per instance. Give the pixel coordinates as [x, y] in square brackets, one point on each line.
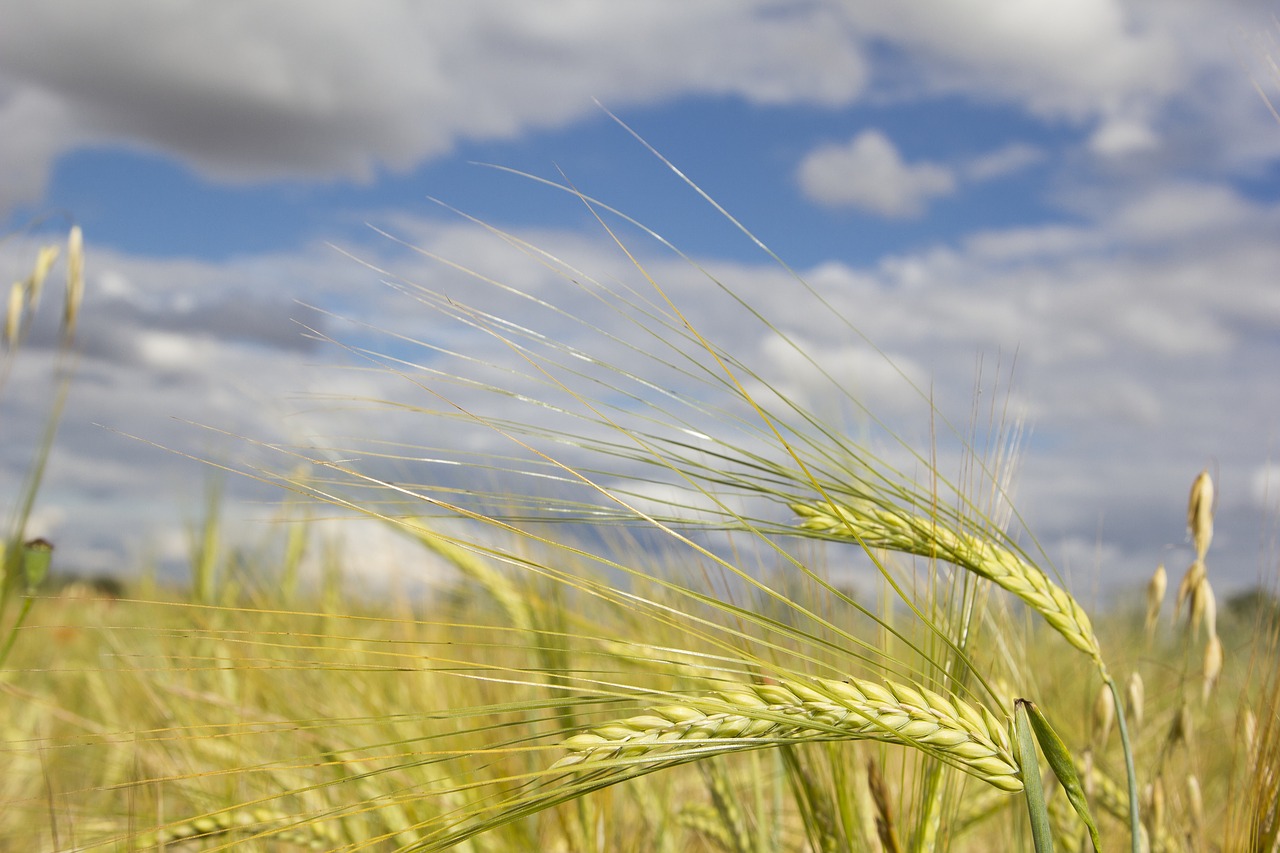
[968, 737]
[883, 525]
[1063, 766]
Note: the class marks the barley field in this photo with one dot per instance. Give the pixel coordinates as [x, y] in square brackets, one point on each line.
[657, 631]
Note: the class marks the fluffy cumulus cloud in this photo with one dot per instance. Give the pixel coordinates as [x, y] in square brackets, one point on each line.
[868, 173]
[323, 89]
[334, 90]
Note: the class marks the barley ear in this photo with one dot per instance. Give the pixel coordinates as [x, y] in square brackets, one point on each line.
[969, 737]
[876, 525]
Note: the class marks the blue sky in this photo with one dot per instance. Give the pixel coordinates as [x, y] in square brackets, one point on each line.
[1093, 186]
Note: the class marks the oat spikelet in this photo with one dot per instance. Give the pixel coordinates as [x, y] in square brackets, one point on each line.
[1200, 514]
[1135, 696]
[877, 526]
[1182, 729]
[1155, 807]
[1212, 664]
[1195, 804]
[1104, 716]
[1204, 608]
[967, 736]
[1194, 574]
[1155, 596]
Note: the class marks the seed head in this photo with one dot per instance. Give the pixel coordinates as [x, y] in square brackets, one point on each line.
[1195, 573]
[1135, 696]
[1155, 595]
[1200, 513]
[1212, 664]
[1104, 716]
[1195, 803]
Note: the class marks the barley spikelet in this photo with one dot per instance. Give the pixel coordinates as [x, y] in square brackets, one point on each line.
[968, 736]
[877, 526]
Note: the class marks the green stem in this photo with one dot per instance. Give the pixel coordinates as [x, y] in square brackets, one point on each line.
[1135, 825]
[1037, 810]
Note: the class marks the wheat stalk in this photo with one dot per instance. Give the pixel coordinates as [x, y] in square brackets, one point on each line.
[968, 736]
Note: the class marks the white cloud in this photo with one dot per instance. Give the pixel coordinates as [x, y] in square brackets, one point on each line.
[1121, 137]
[1007, 160]
[868, 173]
[1056, 58]
[1129, 361]
[325, 89]
[1265, 488]
[330, 90]
[1184, 209]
